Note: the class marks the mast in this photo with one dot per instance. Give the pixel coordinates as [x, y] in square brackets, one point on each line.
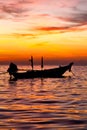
[31, 60]
[42, 63]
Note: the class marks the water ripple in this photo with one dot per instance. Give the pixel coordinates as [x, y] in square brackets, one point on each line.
[44, 104]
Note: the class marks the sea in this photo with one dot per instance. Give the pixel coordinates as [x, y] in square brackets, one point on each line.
[44, 104]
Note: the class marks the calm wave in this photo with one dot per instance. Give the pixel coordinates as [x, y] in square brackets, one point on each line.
[44, 104]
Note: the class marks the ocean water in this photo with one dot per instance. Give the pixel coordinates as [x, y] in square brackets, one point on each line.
[44, 104]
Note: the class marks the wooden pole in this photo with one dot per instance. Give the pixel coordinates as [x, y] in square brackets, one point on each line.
[31, 60]
[42, 63]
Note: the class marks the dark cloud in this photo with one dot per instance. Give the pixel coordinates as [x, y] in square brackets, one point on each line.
[80, 18]
[76, 20]
[77, 16]
[14, 8]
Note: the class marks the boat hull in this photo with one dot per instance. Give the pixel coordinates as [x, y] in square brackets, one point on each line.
[47, 73]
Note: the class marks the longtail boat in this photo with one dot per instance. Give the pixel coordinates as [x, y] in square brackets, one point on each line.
[43, 73]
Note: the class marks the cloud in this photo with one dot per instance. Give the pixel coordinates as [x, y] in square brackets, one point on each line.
[79, 14]
[76, 15]
[72, 14]
[52, 28]
[45, 15]
[21, 35]
[82, 6]
[14, 8]
[76, 19]
[41, 44]
[80, 18]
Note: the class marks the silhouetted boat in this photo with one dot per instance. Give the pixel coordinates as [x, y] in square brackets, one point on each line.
[46, 73]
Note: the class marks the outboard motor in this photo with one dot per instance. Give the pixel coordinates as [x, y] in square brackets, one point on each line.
[12, 69]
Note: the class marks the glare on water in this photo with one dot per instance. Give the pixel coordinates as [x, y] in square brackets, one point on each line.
[45, 104]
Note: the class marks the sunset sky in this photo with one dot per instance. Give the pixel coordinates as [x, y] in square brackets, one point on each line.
[55, 29]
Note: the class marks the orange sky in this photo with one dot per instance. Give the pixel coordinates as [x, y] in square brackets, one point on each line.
[55, 29]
